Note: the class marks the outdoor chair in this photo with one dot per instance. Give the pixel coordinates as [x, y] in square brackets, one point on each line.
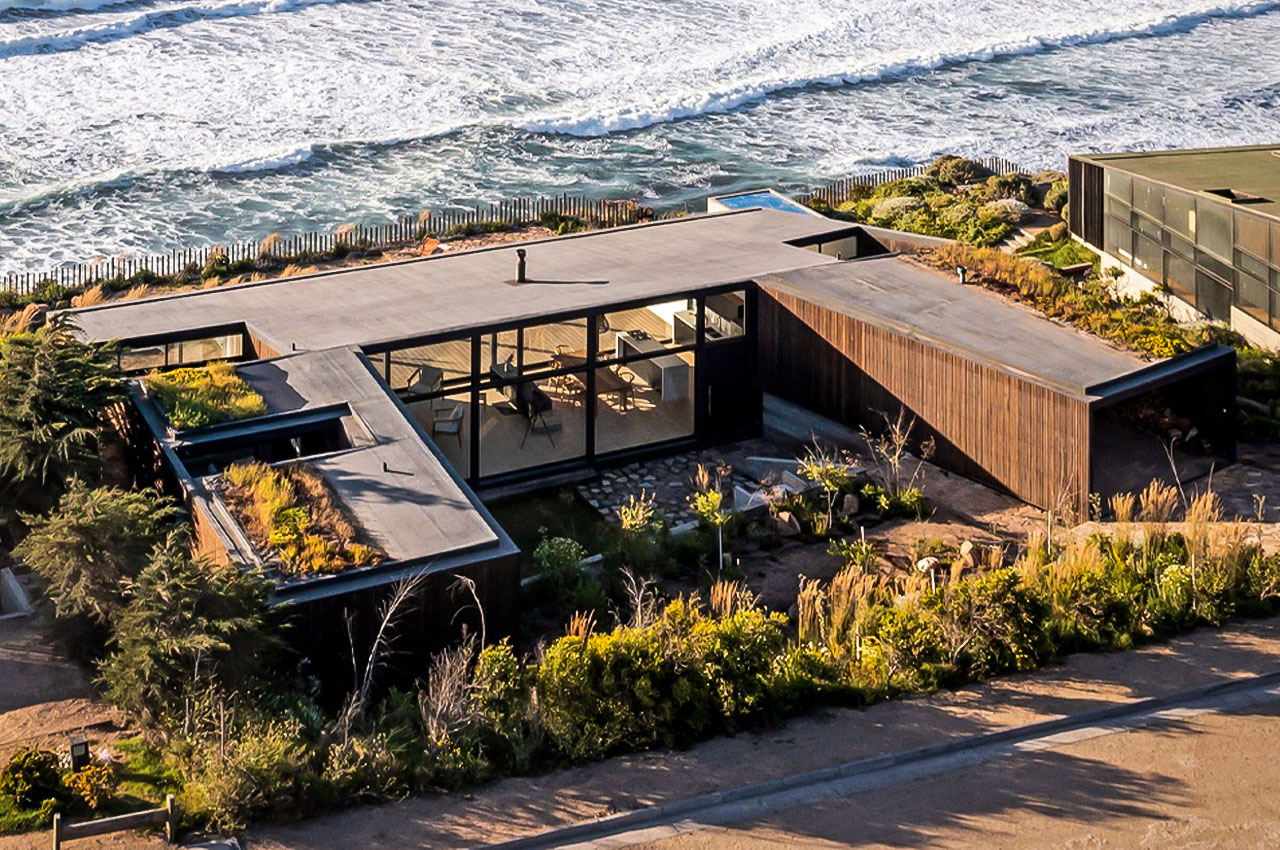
[449, 422]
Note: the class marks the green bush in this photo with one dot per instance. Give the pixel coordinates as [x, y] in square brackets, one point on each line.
[188, 624]
[1013, 186]
[1005, 622]
[31, 778]
[558, 564]
[264, 769]
[956, 170]
[1055, 198]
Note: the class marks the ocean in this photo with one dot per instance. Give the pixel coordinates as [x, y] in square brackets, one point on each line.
[143, 126]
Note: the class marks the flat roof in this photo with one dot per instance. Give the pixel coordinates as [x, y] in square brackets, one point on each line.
[908, 298]
[1253, 170]
[392, 301]
[399, 489]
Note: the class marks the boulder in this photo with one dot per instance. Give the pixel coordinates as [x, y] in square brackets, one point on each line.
[786, 525]
[850, 506]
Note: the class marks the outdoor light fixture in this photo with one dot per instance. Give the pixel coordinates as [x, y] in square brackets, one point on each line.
[79, 752]
[520, 266]
[963, 273]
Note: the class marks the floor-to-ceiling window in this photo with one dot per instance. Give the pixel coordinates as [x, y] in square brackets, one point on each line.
[505, 400]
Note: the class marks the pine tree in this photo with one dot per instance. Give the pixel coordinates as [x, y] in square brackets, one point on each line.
[53, 392]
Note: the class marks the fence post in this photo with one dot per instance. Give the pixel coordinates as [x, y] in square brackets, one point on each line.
[57, 831]
[171, 819]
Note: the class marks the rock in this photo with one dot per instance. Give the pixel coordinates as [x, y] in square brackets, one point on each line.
[927, 565]
[786, 525]
[850, 506]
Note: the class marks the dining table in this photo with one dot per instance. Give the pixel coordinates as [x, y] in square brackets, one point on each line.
[608, 382]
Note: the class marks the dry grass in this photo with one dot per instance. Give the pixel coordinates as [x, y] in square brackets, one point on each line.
[1157, 503]
[290, 511]
[91, 296]
[142, 290]
[21, 321]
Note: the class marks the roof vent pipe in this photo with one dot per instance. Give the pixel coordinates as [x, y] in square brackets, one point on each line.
[520, 266]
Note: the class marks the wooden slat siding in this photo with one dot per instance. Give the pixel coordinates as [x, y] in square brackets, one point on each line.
[1084, 197]
[989, 425]
[206, 543]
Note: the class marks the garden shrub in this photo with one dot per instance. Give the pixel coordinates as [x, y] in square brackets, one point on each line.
[205, 395]
[1014, 186]
[94, 783]
[956, 170]
[1009, 210]
[31, 778]
[264, 770]
[1055, 198]
[558, 562]
[1003, 620]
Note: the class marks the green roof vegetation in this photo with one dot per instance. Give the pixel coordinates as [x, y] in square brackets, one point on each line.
[204, 395]
[291, 513]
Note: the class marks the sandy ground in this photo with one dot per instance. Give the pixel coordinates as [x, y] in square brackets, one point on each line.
[1206, 781]
[517, 806]
[45, 698]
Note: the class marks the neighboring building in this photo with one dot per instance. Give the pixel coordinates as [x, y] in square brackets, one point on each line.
[1204, 224]
[411, 386]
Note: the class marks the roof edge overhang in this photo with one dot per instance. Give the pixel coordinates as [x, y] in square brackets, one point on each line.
[1207, 357]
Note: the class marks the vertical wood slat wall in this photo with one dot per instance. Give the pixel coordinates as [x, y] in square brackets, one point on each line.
[988, 424]
[1084, 198]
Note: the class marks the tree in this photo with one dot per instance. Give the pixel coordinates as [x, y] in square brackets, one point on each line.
[94, 544]
[189, 625]
[53, 390]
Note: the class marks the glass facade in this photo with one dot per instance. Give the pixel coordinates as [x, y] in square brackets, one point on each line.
[190, 352]
[1207, 251]
[501, 401]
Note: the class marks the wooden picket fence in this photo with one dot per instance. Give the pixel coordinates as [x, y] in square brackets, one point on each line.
[304, 247]
[308, 246]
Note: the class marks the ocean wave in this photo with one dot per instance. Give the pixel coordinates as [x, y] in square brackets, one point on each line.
[166, 17]
[62, 5]
[625, 118]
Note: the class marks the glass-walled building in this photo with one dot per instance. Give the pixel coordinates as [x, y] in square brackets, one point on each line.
[1203, 225]
[511, 399]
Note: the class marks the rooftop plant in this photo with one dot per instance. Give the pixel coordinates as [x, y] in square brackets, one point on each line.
[204, 395]
[1141, 324]
[292, 513]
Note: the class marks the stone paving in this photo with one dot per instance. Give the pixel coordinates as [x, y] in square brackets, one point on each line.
[670, 480]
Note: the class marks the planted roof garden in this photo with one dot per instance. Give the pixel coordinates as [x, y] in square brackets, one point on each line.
[294, 519]
[205, 395]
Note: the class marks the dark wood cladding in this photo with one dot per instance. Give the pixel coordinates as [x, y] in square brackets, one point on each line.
[990, 425]
[1084, 195]
[323, 630]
